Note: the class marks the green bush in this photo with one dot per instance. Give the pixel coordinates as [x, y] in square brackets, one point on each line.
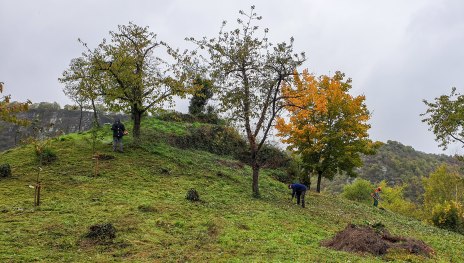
[282, 175]
[5, 170]
[224, 140]
[175, 116]
[273, 157]
[449, 215]
[46, 156]
[360, 190]
[216, 139]
[209, 117]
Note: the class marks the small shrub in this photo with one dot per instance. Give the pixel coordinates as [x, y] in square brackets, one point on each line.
[282, 176]
[192, 195]
[47, 156]
[273, 157]
[5, 170]
[360, 191]
[449, 215]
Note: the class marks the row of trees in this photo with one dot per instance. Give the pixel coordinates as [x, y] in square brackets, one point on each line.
[254, 81]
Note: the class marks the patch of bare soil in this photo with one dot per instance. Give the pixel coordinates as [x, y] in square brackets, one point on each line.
[376, 241]
[104, 157]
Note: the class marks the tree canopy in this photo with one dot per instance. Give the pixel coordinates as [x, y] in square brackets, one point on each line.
[9, 109]
[326, 125]
[131, 78]
[445, 117]
[248, 71]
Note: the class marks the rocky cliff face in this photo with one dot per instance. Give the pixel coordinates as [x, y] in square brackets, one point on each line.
[53, 122]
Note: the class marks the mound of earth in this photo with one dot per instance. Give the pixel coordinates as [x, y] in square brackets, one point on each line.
[376, 241]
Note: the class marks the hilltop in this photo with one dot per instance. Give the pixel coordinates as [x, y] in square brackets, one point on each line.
[141, 192]
[54, 121]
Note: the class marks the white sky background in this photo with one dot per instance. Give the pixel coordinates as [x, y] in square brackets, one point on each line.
[397, 52]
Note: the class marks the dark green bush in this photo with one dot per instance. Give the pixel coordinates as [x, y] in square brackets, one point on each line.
[273, 157]
[282, 175]
[216, 139]
[5, 170]
[210, 117]
[47, 156]
[192, 195]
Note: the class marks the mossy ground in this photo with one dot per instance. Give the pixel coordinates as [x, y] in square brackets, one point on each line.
[142, 193]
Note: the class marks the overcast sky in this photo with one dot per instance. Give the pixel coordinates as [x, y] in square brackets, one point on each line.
[397, 52]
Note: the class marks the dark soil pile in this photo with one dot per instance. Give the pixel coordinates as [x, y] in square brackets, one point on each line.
[376, 241]
[104, 157]
[101, 233]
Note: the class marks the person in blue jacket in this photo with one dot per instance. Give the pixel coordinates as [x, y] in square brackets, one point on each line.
[300, 191]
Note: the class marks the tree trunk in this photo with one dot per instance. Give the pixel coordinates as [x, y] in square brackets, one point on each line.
[319, 178]
[254, 165]
[255, 185]
[307, 181]
[95, 115]
[80, 117]
[137, 117]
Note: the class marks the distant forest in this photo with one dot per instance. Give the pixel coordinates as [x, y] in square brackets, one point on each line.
[397, 164]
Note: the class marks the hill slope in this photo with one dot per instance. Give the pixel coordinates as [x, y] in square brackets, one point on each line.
[142, 193]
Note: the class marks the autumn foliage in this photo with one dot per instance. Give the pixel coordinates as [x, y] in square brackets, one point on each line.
[9, 109]
[326, 125]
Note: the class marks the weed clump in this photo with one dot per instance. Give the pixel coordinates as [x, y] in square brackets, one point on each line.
[104, 157]
[46, 156]
[376, 241]
[147, 209]
[192, 195]
[101, 233]
[5, 170]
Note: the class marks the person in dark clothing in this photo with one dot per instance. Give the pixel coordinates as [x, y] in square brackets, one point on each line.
[300, 191]
[118, 132]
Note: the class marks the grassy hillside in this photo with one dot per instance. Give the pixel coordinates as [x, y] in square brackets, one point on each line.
[142, 193]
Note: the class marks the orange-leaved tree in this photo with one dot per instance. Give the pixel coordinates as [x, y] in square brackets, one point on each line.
[325, 125]
[9, 109]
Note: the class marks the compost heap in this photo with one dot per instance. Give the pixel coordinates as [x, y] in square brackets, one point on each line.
[375, 240]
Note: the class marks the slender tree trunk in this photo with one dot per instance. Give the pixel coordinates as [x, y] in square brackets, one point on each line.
[319, 178]
[255, 168]
[137, 117]
[80, 118]
[254, 163]
[95, 115]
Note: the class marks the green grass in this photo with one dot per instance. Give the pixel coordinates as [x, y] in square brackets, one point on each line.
[142, 193]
